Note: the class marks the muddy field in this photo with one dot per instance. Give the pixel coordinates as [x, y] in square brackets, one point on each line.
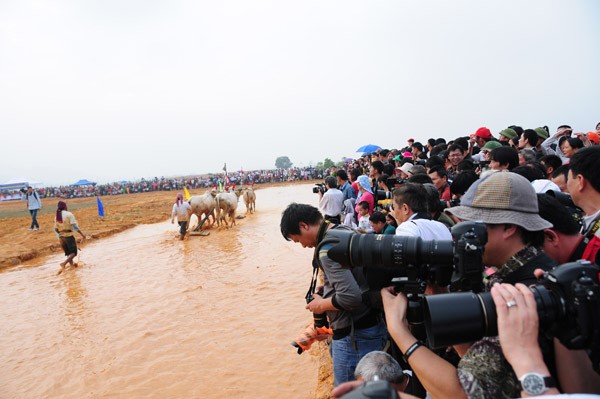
[137, 318]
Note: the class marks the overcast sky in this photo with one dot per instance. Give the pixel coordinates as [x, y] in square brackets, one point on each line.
[120, 89]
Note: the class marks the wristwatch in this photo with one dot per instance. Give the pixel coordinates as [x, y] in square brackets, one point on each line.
[536, 384]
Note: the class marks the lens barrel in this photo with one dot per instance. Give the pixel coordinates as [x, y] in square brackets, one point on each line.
[387, 251]
[462, 317]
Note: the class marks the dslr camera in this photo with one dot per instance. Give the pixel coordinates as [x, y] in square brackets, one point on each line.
[568, 305]
[455, 262]
[319, 188]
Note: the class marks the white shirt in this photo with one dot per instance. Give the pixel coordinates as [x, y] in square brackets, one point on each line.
[181, 211]
[332, 202]
[426, 229]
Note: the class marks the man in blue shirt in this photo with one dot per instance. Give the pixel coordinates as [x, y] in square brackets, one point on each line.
[344, 186]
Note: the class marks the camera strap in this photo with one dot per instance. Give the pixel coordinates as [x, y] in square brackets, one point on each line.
[315, 261]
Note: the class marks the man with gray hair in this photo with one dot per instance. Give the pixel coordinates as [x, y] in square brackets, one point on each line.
[378, 365]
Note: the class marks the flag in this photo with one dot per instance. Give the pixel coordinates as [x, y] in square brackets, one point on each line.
[186, 192]
[100, 207]
[220, 186]
[225, 167]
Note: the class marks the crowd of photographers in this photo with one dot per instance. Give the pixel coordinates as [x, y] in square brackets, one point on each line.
[477, 258]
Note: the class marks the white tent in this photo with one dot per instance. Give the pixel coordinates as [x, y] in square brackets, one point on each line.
[18, 183]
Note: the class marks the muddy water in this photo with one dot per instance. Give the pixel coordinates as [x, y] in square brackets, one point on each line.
[146, 315]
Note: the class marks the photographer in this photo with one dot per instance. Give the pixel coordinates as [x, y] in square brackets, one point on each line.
[331, 200]
[357, 328]
[518, 331]
[507, 204]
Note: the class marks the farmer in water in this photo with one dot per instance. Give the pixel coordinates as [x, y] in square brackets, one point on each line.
[64, 225]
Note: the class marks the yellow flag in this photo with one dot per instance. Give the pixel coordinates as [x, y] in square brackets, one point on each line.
[187, 193]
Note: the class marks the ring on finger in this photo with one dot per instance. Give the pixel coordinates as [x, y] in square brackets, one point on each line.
[511, 303]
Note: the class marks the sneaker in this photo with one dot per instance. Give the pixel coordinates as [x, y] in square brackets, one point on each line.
[30, 229]
[36, 229]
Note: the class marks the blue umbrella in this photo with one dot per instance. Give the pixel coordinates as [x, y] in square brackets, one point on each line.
[369, 148]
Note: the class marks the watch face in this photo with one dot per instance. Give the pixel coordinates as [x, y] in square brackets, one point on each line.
[533, 384]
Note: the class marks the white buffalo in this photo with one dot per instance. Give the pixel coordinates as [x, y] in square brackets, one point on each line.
[227, 205]
[250, 200]
[204, 204]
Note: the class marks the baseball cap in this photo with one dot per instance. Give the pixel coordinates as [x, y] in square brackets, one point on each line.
[510, 133]
[594, 138]
[502, 197]
[484, 133]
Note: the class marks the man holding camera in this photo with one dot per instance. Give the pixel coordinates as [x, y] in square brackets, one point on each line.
[331, 200]
[507, 204]
[357, 328]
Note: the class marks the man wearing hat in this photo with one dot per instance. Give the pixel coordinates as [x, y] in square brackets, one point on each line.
[508, 205]
[506, 136]
[481, 137]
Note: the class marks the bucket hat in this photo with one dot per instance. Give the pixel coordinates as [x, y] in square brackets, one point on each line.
[502, 197]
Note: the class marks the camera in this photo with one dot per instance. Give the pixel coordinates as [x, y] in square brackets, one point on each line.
[394, 182]
[382, 195]
[568, 305]
[455, 262]
[319, 188]
[378, 389]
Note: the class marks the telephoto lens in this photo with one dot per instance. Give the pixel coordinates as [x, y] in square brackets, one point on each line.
[567, 304]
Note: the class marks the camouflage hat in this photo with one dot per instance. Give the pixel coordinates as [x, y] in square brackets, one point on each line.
[502, 197]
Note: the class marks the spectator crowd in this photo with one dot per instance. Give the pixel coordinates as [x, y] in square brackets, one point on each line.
[537, 195]
[174, 184]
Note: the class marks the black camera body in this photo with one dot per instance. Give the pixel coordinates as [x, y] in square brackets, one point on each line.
[319, 188]
[568, 304]
[393, 182]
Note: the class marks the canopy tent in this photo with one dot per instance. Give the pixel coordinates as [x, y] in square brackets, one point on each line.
[18, 183]
[84, 182]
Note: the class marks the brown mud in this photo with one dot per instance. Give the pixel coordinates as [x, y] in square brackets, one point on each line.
[148, 315]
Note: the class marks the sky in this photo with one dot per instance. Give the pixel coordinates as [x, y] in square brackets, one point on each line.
[112, 90]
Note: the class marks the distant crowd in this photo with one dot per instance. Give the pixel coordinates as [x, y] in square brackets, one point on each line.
[173, 184]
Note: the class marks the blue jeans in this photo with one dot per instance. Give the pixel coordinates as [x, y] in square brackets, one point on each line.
[345, 358]
[34, 222]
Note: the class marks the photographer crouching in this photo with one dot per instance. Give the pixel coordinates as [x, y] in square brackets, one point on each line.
[357, 327]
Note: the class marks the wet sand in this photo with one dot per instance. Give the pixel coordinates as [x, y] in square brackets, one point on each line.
[147, 315]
